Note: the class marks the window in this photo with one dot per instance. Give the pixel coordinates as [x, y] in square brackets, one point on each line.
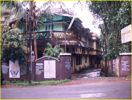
[67, 50]
[85, 59]
[83, 51]
[78, 59]
[48, 27]
[73, 50]
[52, 27]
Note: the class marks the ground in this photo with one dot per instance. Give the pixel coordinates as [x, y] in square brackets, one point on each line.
[79, 87]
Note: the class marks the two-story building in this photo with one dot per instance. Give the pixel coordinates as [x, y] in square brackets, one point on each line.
[79, 41]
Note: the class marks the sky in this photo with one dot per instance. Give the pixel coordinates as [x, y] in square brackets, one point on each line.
[81, 11]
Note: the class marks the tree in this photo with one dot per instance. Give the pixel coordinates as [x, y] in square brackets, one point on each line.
[115, 16]
[13, 46]
[13, 41]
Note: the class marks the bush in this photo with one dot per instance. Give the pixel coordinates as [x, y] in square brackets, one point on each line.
[52, 51]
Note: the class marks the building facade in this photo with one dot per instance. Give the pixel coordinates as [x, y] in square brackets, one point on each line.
[79, 41]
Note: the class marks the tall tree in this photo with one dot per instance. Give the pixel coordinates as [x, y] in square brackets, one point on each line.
[115, 15]
[13, 41]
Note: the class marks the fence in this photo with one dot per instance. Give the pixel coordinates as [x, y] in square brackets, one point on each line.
[121, 66]
[43, 68]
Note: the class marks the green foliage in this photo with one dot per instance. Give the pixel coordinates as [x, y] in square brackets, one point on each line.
[13, 41]
[52, 51]
[11, 4]
[115, 16]
[51, 82]
[12, 48]
[34, 83]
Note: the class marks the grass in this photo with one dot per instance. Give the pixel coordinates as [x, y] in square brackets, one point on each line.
[51, 82]
[34, 83]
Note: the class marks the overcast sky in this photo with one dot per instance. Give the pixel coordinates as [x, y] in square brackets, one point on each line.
[81, 11]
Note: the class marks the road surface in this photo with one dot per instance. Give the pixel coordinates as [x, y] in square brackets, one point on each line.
[79, 88]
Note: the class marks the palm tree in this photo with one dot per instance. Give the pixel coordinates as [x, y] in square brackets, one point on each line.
[52, 51]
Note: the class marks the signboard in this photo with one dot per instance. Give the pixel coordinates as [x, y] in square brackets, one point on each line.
[39, 68]
[14, 69]
[67, 64]
[49, 69]
[125, 65]
[126, 34]
[5, 68]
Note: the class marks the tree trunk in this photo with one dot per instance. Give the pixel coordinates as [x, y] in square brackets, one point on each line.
[106, 46]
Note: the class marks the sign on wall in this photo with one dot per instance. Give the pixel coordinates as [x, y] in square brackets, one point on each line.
[114, 66]
[5, 68]
[14, 69]
[49, 69]
[125, 65]
[67, 64]
[39, 68]
[126, 34]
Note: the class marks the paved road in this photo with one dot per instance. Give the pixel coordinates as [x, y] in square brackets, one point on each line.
[94, 89]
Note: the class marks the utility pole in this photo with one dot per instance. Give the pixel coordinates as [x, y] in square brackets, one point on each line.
[31, 31]
[30, 23]
[34, 28]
